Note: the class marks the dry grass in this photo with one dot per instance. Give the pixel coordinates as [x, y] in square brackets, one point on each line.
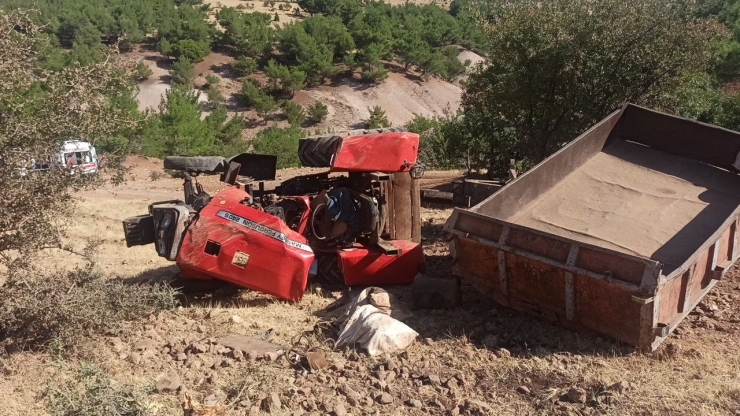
[696, 373]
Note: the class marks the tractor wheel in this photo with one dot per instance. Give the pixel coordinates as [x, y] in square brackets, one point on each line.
[317, 151]
[200, 164]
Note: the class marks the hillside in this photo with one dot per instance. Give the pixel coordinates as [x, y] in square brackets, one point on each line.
[401, 95]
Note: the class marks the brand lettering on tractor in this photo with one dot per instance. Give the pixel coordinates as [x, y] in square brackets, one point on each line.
[277, 235]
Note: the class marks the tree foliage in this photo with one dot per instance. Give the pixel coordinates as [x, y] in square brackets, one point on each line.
[183, 72]
[377, 118]
[249, 34]
[39, 109]
[179, 130]
[317, 112]
[563, 65]
[295, 114]
[281, 143]
[253, 96]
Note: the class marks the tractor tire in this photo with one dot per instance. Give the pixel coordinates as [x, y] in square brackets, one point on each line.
[198, 164]
[318, 151]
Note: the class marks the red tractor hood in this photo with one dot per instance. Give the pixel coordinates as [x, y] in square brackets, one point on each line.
[234, 242]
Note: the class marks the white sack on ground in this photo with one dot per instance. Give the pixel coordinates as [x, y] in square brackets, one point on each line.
[369, 324]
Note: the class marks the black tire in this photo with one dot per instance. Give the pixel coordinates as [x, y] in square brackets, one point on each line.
[200, 164]
[317, 151]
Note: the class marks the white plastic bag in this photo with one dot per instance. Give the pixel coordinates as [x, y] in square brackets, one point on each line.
[369, 323]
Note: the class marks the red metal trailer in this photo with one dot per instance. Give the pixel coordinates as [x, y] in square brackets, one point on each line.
[621, 233]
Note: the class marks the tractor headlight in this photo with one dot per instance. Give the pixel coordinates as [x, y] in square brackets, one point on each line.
[169, 227]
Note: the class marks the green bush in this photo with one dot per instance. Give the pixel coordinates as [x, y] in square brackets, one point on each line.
[295, 113]
[254, 96]
[284, 79]
[183, 72]
[142, 71]
[377, 119]
[317, 112]
[192, 50]
[282, 143]
[436, 136]
[118, 145]
[244, 66]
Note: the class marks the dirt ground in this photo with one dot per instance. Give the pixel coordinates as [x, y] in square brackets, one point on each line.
[479, 358]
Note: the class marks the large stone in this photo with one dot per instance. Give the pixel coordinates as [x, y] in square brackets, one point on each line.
[168, 383]
[436, 292]
[316, 360]
[577, 395]
[250, 346]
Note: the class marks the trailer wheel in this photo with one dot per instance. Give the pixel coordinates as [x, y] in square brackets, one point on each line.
[201, 164]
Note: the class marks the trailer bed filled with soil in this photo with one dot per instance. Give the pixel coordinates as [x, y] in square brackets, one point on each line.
[638, 201]
[622, 232]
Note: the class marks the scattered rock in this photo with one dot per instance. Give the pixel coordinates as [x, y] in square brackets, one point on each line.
[168, 383]
[414, 403]
[352, 396]
[250, 346]
[503, 353]
[245, 403]
[622, 386]
[427, 341]
[434, 379]
[523, 390]
[146, 344]
[135, 358]
[340, 410]
[316, 360]
[272, 403]
[117, 344]
[338, 366]
[435, 293]
[380, 385]
[199, 348]
[181, 356]
[214, 313]
[237, 319]
[385, 398]
[576, 395]
[237, 354]
[271, 356]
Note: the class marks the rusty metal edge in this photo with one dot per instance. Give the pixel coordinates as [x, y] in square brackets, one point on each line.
[450, 224]
[686, 265]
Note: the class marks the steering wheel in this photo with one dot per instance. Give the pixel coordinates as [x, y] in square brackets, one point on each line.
[322, 208]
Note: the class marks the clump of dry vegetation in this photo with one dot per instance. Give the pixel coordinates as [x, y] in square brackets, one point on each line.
[73, 306]
[88, 391]
[39, 109]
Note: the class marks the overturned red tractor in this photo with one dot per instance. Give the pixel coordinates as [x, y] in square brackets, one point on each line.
[355, 224]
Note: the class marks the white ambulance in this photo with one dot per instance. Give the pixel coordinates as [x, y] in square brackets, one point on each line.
[79, 157]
